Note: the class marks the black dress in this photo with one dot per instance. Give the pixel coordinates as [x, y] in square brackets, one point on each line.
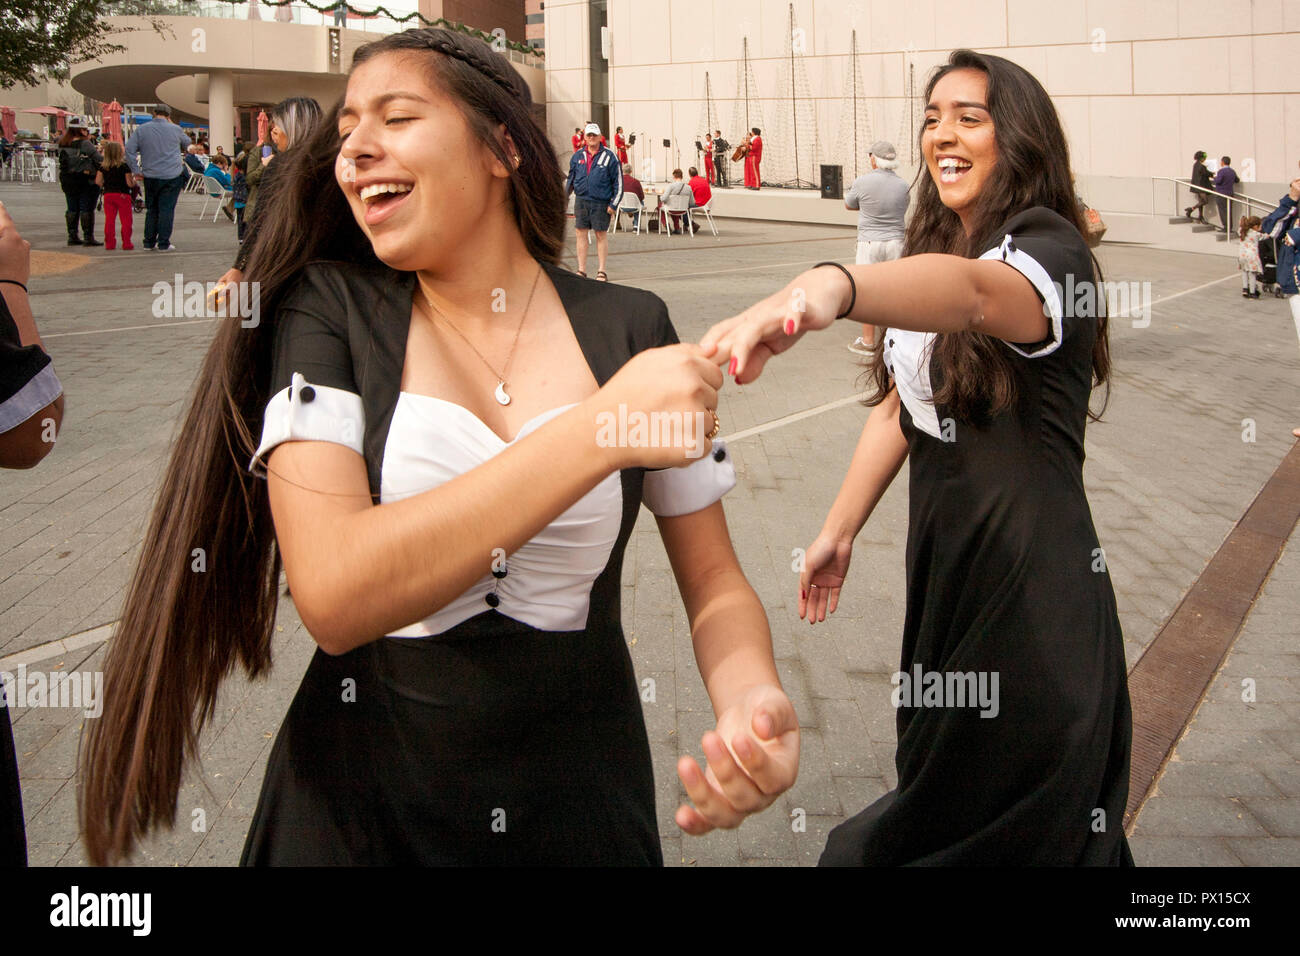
[27, 384]
[508, 727]
[1005, 578]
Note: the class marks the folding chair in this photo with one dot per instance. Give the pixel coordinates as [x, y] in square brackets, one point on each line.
[633, 206]
[707, 209]
[666, 213]
[213, 190]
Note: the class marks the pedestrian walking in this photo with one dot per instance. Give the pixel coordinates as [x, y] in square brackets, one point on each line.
[596, 181]
[451, 523]
[1203, 182]
[881, 198]
[982, 384]
[1225, 184]
[160, 146]
[78, 163]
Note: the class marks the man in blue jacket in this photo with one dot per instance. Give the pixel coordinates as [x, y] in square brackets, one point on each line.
[1284, 223]
[596, 180]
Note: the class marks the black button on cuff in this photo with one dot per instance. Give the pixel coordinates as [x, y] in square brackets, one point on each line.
[719, 455]
[306, 393]
[492, 600]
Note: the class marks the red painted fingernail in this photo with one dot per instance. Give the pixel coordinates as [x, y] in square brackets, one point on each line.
[803, 595]
[731, 369]
[789, 326]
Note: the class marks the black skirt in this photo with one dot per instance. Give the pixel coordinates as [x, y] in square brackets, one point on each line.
[494, 743]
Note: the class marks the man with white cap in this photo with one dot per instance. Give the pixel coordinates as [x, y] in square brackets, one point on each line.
[881, 198]
[596, 180]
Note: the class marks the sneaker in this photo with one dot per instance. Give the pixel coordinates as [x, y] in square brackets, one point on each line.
[859, 347]
[167, 248]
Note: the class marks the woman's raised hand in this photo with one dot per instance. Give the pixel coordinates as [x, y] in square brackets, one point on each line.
[745, 342]
[825, 565]
[753, 757]
[657, 409]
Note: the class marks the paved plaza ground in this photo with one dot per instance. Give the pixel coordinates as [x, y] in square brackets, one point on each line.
[1169, 473]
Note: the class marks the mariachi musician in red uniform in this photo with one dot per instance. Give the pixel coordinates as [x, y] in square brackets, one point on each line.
[620, 146]
[576, 138]
[708, 160]
[753, 178]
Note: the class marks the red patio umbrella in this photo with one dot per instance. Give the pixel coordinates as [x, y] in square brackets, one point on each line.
[8, 122]
[111, 124]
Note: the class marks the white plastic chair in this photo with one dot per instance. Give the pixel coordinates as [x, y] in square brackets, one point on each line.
[631, 205]
[707, 210]
[213, 190]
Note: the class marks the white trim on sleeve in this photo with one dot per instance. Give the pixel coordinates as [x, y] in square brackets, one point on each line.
[43, 388]
[681, 491]
[306, 412]
[1028, 267]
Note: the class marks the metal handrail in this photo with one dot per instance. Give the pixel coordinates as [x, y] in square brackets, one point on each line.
[1242, 197]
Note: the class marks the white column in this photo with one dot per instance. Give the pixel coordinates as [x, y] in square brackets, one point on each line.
[221, 111]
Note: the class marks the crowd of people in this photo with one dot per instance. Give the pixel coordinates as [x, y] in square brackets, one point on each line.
[390, 441]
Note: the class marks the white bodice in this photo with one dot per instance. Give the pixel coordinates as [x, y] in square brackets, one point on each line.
[547, 582]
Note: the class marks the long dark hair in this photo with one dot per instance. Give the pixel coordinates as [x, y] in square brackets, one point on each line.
[1033, 169]
[183, 630]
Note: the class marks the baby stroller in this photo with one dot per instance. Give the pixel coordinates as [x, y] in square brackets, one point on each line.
[1268, 261]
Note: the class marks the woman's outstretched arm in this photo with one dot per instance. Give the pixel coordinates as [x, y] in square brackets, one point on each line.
[924, 293]
[880, 454]
[753, 755]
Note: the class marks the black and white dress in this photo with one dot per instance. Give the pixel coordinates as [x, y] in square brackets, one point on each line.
[506, 727]
[27, 384]
[1005, 577]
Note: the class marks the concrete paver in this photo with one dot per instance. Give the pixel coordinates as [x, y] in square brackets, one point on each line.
[1168, 474]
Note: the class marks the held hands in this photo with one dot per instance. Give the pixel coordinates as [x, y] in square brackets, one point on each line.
[826, 564]
[628, 412]
[767, 328]
[753, 757]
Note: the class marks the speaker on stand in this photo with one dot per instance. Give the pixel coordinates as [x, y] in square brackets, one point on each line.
[832, 182]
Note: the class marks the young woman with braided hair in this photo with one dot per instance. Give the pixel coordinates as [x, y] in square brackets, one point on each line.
[429, 388]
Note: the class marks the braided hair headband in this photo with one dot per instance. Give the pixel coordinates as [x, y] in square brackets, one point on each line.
[445, 46]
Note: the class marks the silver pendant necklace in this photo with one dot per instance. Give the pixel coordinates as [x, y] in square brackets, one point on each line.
[502, 397]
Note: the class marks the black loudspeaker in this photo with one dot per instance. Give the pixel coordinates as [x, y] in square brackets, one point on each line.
[832, 182]
[631, 140]
[667, 143]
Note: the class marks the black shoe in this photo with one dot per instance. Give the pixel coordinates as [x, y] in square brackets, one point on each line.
[72, 219]
[1188, 212]
[1254, 295]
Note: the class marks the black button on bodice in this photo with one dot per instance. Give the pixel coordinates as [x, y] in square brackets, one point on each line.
[498, 573]
[891, 343]
[719, 455]
[306, 393]
[492, 600]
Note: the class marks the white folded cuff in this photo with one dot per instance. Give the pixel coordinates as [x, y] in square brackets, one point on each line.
[1028, 266]
[43, 388]
[681, 491]
[306, 412]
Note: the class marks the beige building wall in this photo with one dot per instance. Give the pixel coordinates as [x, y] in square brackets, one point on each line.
[1140, 84]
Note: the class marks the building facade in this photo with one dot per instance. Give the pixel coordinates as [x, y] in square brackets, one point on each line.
[1140, 85]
